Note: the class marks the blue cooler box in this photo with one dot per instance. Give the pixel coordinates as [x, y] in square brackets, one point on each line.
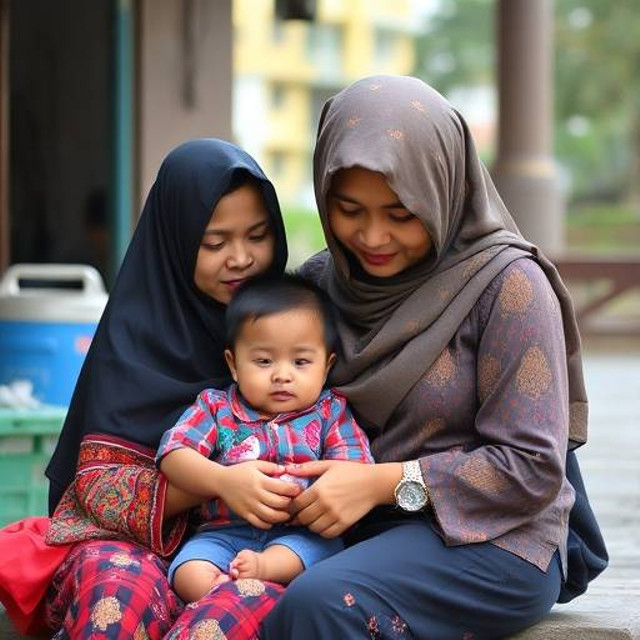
[46, 330]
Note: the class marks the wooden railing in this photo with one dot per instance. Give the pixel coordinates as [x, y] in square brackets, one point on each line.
[595, 283]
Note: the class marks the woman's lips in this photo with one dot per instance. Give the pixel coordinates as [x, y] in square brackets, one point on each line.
[233, 284]
[377, 259]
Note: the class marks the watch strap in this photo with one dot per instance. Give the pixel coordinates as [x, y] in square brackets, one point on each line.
[411, 471]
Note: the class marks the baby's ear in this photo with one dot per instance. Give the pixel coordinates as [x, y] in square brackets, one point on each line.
[231, 362]
[331, 360]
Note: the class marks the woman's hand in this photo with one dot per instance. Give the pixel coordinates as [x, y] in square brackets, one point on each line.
[342, 494]
[253, 491]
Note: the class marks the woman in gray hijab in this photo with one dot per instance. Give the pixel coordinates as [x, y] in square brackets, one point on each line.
[461, 358]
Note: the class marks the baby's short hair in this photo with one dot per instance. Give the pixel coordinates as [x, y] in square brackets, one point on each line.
[269, 295]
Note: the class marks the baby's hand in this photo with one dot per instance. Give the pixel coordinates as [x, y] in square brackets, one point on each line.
[254, 491]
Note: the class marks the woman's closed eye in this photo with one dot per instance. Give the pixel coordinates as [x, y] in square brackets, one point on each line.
[349, 210]
[213, 246]
[395, 213]
[401, 215]
[260, 237]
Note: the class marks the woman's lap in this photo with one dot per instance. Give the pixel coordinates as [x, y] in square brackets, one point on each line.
[113, 590]
[405, 583]
[118, 590]
[233, 611]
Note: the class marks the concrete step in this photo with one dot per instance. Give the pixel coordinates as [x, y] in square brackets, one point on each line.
[595, 616]
[610, 610]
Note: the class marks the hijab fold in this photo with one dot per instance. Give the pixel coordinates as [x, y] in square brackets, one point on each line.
[160, 340]
[393, 329]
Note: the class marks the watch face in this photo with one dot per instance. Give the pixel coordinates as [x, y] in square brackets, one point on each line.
[411, 496]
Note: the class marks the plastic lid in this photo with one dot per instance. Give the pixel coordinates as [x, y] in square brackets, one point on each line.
[47, 302]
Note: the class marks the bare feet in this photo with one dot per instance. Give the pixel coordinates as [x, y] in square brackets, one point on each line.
[247, 564]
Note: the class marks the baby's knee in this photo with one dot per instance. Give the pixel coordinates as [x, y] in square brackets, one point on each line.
[192, 580]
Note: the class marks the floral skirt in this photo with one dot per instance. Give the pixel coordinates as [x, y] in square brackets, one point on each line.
[118, 591]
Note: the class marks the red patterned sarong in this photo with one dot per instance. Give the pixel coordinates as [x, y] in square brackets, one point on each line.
[109, 588]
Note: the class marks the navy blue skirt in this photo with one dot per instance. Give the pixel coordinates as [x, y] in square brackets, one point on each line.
[399, 580]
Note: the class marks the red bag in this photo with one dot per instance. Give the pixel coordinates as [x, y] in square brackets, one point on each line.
[27, 565]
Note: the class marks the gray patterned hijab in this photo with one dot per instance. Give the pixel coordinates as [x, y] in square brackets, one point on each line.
[393, 329]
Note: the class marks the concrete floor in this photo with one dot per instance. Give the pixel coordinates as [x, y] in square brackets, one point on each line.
[610, 463]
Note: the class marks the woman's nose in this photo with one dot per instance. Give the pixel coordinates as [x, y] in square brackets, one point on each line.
[374, 233]
[240, 256]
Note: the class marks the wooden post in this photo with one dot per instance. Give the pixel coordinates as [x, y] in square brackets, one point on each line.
[5, 247]
[525, 172]
[123, 95]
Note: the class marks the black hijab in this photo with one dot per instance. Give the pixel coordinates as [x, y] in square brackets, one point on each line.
[160, 341]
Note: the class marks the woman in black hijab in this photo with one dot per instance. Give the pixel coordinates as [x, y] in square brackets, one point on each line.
[211, 220]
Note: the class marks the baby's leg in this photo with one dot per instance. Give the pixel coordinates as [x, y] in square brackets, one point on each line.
[276, 563]
[195, 578]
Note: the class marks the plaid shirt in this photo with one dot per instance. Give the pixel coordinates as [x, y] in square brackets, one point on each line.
[222, 427]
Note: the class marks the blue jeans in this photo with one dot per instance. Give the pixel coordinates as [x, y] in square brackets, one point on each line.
[220, 546]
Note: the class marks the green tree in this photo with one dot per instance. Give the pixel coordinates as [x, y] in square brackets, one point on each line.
[457, 47]
[597, 47]
[597, 70]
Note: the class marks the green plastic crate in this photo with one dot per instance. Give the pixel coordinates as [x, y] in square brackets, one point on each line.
[27, 440]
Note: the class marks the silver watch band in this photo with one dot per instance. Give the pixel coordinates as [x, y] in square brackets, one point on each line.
[411, 471]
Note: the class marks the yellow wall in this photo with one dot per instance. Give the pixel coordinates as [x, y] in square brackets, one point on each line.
[294, 61]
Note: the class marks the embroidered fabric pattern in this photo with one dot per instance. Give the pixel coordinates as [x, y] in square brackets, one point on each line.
[117, 494]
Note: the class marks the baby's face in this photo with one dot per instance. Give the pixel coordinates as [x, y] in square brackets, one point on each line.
[280, 362]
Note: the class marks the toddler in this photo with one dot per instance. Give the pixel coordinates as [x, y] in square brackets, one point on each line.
[232, 445]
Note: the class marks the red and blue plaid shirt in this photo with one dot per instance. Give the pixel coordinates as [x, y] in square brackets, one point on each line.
[222, 427]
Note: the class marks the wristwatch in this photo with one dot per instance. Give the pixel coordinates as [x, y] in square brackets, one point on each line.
[411, 492]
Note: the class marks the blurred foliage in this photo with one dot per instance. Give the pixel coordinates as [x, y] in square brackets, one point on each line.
[597, 89]
[304, 234]
[604, 229]
[602, 215]
[597, 92]
[457, 47]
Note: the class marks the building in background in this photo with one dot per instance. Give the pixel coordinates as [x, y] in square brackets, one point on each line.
[284, 70]
[110, 86]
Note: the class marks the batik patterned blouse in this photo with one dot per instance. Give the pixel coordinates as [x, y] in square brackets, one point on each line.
[222, 427]
[489, 422]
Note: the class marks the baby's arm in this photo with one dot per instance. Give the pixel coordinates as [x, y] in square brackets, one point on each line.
[183, 454]
[176, 501]
[191, 472]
